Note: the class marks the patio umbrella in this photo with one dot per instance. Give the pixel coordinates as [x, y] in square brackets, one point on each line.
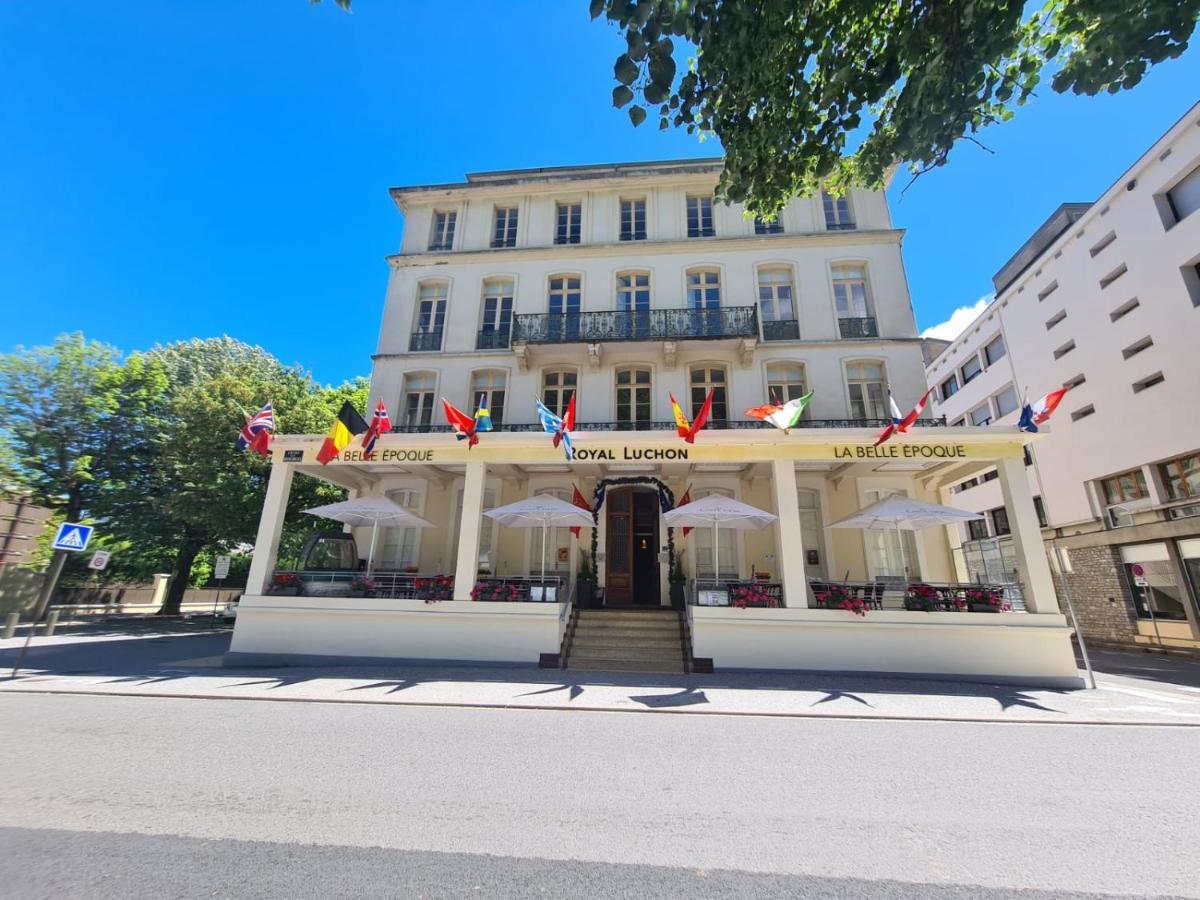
[903, 513]
[716, 510]
[542, 511]
[373, 511]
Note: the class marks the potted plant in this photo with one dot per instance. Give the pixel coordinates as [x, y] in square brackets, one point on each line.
[753, 596]
[496, 591]
[361, 586]
[987, 600]
[837, 596]
[285, 584]
[436, 589]
[922, 598]
[585, 583]
[678, 582]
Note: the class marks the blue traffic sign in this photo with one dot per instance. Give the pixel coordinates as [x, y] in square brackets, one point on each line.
[72, 536]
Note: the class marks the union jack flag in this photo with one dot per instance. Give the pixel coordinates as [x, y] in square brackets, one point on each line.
[256, 433]
[380, 424]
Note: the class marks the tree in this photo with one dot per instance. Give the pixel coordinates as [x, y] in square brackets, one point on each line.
[786, 85]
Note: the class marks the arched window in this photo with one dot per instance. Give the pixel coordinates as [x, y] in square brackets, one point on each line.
[633, 398]
[701, 380]
[487, 393]
[416, 400]
[430, 316]
[704, 289]
[564, 297]
[776, 306]
[786, 381]
[864, 382]
[558, 387]
[633, 305]
[496, 321]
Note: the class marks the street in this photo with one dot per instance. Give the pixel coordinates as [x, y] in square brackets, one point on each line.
[174, 797]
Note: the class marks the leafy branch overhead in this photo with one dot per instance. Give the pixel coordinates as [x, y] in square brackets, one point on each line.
[786, 84]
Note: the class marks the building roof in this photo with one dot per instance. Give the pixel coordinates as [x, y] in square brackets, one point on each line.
[1060, 220]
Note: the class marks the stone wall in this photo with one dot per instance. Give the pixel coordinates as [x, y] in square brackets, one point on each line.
[1100, 594]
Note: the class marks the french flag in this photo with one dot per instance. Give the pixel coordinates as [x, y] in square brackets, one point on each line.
[900, 425]
[1034, 414]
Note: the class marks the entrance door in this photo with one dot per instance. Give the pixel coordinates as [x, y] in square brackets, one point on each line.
[631, 572]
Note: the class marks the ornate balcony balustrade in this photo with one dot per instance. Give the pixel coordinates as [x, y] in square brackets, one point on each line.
[492, 339]
[425, 340]
[864, 327]
[644, 325]
[781, 330]
[716, 424]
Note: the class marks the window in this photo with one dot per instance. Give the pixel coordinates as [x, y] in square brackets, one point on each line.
[977, 529]
[837, 212]
[558, 387]
[775, 307]
[486, 525]
[699, 217]
[990, 475]
[418, 399]
[1184, 198]
[1027, 455]
[633, 292]
[1125, 488]
[569, 223]
[1064, 349]
[702, 539]
[398, 547]
[762, 226]
[949, 387]
[633, 219]
[994, 351]
[710, 378]
[442, 236]
[981, 415]
[633, 398]
[970, 370]
[504, 228]
[1162, 593]
[557, 540]
[785, 381]
[1181, 477]
[865, 383]
[1113, 276]
[1040, 508]
[563, 301]
[431, 316]
[959, 423]
[1047, 291]
[496, 326]
[1075, 381]
[1191, 281]
[1137, 347]
[1083, 412]
[999, 517]
[704, 289]
[850, 292]
[487, 393]
[1006, 402]
[1124, 309]
[812, 527]
[1148, 382]
[1098, 248]
[1055, 319]
[889, 553]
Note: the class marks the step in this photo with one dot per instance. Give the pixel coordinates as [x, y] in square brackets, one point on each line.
[616, 613]
[645, 643]
[623, 665]
[630, 624]
[674, 654]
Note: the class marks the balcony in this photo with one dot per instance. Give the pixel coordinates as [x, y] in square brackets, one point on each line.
[425, 341]
[864, 327]
[781, 330]
[492, 339]
[715, 424]
[646, 325]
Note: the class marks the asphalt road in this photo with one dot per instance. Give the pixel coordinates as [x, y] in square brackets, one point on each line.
[134, 797]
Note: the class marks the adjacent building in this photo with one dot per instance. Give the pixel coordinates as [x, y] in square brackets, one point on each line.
[1105, 299]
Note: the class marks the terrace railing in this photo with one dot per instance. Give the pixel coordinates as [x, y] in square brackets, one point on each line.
[643, 325]
[715, 424]
[862, 327]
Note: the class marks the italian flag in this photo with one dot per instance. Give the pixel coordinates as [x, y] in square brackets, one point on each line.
[789, 414]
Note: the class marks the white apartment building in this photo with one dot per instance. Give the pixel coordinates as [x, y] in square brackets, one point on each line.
[622, 285]
[1104, 298]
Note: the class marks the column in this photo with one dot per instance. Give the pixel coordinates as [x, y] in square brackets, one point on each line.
[270, 527]
[467, 564]
[1032, 565]
[789, 542]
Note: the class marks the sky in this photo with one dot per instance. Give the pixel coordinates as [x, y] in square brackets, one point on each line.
[194, 168]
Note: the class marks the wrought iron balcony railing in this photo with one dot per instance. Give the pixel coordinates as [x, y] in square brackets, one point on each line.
[781, 330]
[425, 340]
[858, 328]
[492, 339]
[715, 424]
[644, 325]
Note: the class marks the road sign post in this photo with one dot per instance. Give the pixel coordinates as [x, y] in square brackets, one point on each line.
[220, 573]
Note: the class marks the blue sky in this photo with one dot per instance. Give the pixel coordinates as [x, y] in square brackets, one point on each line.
[196, 168]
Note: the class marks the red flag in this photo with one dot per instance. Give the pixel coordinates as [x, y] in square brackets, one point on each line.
[684, 501]
[900, 425]
[578, 499]
[463, 425]
[380, 424]
[763, 412]
[683, 428]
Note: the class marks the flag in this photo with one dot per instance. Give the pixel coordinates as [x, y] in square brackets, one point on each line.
[256, 433]
[689, 431]
[1040, 411]
[684, 501]
[579, 500]
[380, 424]
[764, 412]
[483, 419]
[559, 427]
[900, 425]
[347, 424]
[463, 425]
[789, 414]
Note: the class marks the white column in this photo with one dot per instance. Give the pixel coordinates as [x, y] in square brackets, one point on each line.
[270, 527]
[789, 542]
[467, 564]
[1033, 567]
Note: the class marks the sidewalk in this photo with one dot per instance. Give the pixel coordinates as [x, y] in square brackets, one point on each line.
[183, 659]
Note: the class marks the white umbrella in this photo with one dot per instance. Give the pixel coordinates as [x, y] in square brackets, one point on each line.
[901, 512]
[716, 510]
[373, 511]
[543, 510]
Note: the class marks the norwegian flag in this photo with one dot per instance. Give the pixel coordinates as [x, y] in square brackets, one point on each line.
[256, 433]
[901, 425]
[380, 424]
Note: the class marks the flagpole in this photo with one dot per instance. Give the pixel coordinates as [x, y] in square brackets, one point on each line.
[371, 552]
[545, 528]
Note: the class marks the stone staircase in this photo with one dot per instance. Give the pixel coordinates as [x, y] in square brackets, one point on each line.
[633, 640]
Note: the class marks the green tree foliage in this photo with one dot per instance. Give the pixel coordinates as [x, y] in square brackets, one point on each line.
[787, 85]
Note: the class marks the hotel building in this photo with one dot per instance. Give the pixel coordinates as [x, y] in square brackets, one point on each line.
[1103, 298]
[622, 285]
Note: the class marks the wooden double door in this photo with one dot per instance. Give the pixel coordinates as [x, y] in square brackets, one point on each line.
[631, 568]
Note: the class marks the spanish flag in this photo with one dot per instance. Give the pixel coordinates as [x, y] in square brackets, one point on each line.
[347, 424]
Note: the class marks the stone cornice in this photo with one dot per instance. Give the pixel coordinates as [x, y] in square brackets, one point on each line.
[648, 248]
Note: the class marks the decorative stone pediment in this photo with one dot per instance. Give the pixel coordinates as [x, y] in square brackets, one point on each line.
[521, 352]
[669, 350]
[593, 351]
[746, 349]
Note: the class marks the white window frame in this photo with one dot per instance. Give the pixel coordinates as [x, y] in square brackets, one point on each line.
[511, 214]
[634, 234]
[632, 386]
[559, 406]
[569, 231]
[836, 212]
[407, 387]
[489, 390]
[880, 404]
[442, 228]
[700, 207]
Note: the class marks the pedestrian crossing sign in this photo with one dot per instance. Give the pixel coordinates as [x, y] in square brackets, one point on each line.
[72, 536]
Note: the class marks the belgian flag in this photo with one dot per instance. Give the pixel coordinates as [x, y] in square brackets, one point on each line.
[347, 424]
